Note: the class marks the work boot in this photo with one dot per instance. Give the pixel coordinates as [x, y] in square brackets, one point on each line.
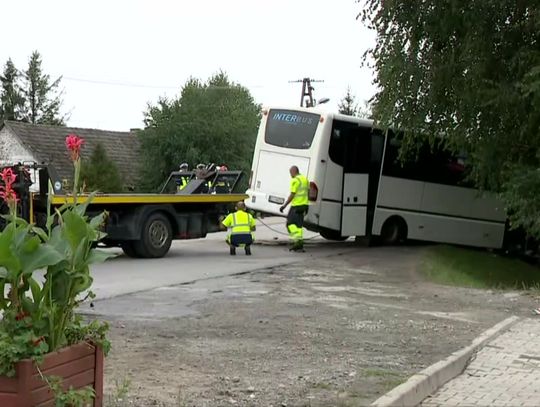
[232, 251]
[248, 250]
[297, 247]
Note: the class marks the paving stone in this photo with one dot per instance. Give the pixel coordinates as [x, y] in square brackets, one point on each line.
[506, 372]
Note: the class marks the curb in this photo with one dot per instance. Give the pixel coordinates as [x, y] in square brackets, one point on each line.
[426, 382]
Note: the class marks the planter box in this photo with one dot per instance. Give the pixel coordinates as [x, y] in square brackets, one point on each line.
[79, 366]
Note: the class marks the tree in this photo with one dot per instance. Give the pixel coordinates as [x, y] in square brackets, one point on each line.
[213, 121]
[11, 100]
[465, 75]
[42, 97]
[365, 111]
[100, 173]
[348, 104]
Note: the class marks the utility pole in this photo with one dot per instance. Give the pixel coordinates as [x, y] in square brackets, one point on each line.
[307, 91]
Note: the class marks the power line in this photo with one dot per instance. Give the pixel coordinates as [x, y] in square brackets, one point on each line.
[307, 91]
[140, 85]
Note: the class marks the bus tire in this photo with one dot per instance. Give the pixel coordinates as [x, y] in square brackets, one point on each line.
[394, 231]
[329, 234]
[156, 237]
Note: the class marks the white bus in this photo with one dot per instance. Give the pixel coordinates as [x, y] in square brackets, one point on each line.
[360, 188]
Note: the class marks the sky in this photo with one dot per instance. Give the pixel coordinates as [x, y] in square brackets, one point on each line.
[116, 56]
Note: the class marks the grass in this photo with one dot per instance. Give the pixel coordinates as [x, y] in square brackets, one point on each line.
[478, 269]
[388, 379]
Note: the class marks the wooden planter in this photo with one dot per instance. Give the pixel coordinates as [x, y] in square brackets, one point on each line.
[79, 366]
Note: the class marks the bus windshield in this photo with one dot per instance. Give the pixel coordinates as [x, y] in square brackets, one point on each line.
[291, 129]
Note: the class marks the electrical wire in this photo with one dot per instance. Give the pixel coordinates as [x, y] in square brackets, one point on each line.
[141, 85]
[282, 233]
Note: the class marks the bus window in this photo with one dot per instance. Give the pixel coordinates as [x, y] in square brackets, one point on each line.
[350, 146]
[432, 165]
[290, 129]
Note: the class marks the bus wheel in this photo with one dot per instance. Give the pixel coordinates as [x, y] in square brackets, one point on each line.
[332, 235]
[156, 237]
[394, 231]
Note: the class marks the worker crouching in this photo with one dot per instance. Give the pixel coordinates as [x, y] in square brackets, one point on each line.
[241, 225]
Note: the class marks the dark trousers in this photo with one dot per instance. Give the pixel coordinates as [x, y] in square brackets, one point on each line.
[295, 225]
[241, 239]
[296, 215]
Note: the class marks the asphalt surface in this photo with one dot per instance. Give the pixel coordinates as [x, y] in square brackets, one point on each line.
[201, 259]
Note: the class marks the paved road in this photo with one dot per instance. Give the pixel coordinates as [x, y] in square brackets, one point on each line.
[506, 372]
[204, 258]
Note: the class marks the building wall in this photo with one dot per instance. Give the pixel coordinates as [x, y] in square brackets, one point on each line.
[12, 151]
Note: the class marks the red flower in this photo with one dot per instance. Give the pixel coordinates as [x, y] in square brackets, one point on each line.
[6, 191]
[21, 315]
[74, 144]
[37, 341]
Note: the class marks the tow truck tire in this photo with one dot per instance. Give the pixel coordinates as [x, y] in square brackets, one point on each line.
[156, 237]
[128, 248]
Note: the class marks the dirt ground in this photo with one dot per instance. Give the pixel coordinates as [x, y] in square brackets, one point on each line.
[338, 331]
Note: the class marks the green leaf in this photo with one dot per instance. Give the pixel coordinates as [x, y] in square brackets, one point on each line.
[81, 208]
[97, 221]
[8, 260]
[79, 256]
[37, 292]
[82, 282]
[3, 303]
[74, 229]
[99, 256]
[41, 233]
[44, 256]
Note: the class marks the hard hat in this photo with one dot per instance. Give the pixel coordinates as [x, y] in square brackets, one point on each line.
[184, 166]
[200, 166]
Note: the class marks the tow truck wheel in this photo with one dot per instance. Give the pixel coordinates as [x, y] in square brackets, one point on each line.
[128, 248]
[156, 237]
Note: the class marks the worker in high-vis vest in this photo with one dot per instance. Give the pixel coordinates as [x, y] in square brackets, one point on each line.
[184, 178]
[299, 200]
[241, 225]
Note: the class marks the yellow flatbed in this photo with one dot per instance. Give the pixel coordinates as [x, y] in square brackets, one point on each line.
[105, 199]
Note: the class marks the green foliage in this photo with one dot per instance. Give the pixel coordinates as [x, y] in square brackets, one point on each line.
[42, 99]
[11, 99]
[120, 393]
[465, 75]
[30, 96]
[70, 398]
[213, 121]
[478, 268]
[40, 317]
[95, 332]
[100, 173]
[19, 340]
[348, 104]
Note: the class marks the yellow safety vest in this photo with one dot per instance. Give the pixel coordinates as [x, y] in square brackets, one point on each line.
[240, 222]
[300, 188]
[184, 182]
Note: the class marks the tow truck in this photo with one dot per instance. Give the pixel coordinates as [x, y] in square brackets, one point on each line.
[143, 225]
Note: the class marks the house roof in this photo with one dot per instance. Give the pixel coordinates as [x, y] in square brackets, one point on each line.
[47, 144]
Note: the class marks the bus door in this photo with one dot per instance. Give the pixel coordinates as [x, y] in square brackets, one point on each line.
[362, 159]
[357, 148]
